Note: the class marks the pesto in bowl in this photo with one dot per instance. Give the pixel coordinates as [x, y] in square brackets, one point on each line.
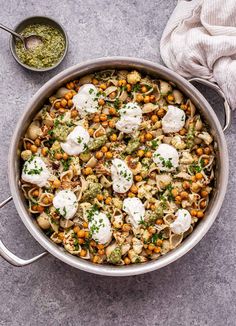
[45, 55]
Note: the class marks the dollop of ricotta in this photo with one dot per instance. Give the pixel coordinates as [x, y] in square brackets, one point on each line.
[182, 222]
[86, 101]
[35, 171]
[130, 118]
[66, 203]
[135, 210]
[122, 176]
[166, 157]
[76, 141]
[100, 228]
[174, 120]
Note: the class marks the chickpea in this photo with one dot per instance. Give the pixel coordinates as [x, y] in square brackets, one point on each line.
[63, 103]
[139, 98]
[74, 113]
[184, 195]
[47, 200]
[103, 86]
[193, 178]
[68, 96]
[70, 85]
[65, 156]
[101, 102]
[108, 155]
[178, 199]
[99, 133]
[112, 124]
[94, 81]
[193, 212]
[126, 227]
[186, 185]
[200, 214]
[152, 98]
[138, 178]
[203, 204]
[146, 99]
[62, 110]
[195, 187]
[81, 234]
[37, 142]
[105, 124]
[159, 242]
[108, 200]
[153, 207]
[148, 252]
[148, 136]
[100, 246]
[35, 193]
[56, 183]
[199, 176]
[207, 150]
[154, 118]
[99, 155]
[113, 137]
[93, 243]
[33, 148]
[101, 252]
[81, 241]
[174, 192]
[90, 131]
[140, 153]
[122, 82]
[57, 105]
[95, 259]
[85, 225]
[70, 103]
[157, 250]
[44, 151]
[76, 229]
[130, 194]
[199, 151]
[206, 161]
[112, 95]
[204, 193]
[134, 189]
[96, 119]
[127, 261]
[161, 112]
[183, 131]
[112, 111]
[170, 98]
[58, 156]
[103, 117]
[82, 253]
[151, 230]
[159, 221]
[183, 107]
[148, 154]
[144, 89]
[88, 170]
[104, 149]
[100, 197]
[142, 139]
[40, 208]
[151, 247]
[128, 88]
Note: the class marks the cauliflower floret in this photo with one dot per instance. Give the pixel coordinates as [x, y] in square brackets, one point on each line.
[206, 137]
[178, 143]
[186, 158]
[133, 77]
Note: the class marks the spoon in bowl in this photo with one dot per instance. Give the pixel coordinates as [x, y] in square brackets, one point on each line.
[30, 42]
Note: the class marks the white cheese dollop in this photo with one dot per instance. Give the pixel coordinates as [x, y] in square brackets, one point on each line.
[130, 118]
[174, 120]
[76, 141]
[182, 222]
[35, 171]
[100, 228]
[166, 157]
[66, 203]
[135, 210]
[86, 101]
[122, 176]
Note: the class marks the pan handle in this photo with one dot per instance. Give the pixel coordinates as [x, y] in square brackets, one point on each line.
[227, 108]
[9, 256]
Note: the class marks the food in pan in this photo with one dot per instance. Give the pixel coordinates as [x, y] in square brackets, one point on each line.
[118, 167]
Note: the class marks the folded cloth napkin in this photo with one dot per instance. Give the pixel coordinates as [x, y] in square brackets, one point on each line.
[200, 40]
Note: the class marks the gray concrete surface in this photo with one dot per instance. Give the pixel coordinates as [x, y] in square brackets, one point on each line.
[198, 289]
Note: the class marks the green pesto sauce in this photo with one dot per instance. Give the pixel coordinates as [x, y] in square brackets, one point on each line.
[45, 55]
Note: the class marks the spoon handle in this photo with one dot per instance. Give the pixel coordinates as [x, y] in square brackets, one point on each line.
[12, 32]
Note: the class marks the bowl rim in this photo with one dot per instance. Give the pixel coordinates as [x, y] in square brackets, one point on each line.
[110, 270]
[47, 18]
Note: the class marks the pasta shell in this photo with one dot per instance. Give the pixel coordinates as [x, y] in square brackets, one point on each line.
[175, 240]
[149, 107]
[43, 221]
[34, 131]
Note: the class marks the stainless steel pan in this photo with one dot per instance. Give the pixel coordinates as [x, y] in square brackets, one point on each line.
[35, 104]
